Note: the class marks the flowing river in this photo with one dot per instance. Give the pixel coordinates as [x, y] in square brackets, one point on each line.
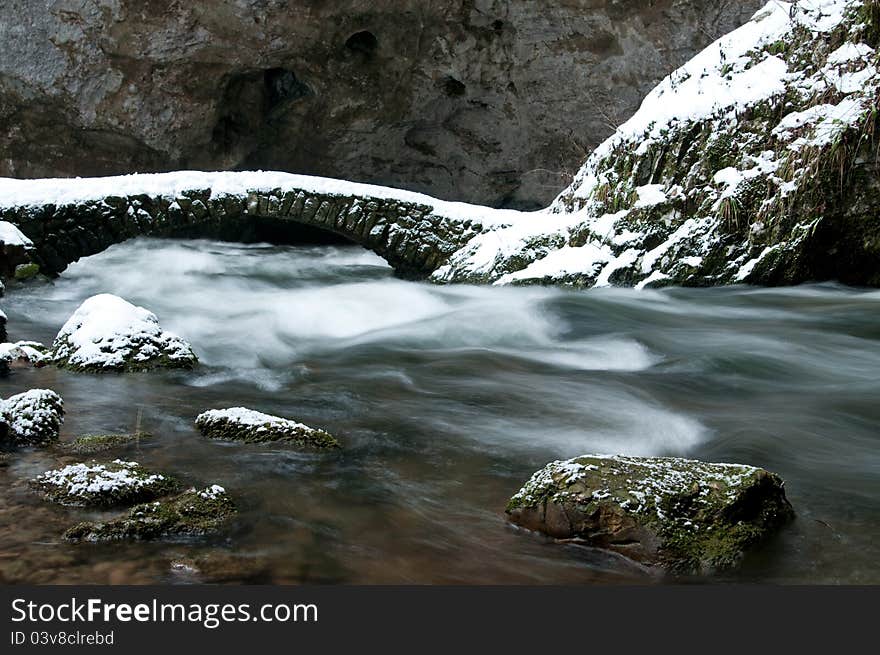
[446, 400]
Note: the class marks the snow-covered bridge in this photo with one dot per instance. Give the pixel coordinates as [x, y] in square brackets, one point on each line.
[67, 219]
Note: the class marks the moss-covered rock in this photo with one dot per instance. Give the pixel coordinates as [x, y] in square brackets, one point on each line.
[107, 333]
[32, 418]
[240, 424]
[682, 515]
[92, 444]
[112, 484]
[192, 513]
[26, 271]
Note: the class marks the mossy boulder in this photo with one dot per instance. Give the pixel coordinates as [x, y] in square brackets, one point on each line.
[192, 513]
[92, 444]
[683, 516]
[107, 333]
[26, 271]
[117, 483]
[240, 424]
[32, 418]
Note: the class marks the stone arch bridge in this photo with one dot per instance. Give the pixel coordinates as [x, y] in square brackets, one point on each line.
[67, 219]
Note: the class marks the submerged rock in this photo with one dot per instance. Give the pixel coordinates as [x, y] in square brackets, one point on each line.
[99, 443]
[192, 513]
[103, 485]
[241, 424]
[221, 567]
[108, 333]
[682, 515]
[32, 418]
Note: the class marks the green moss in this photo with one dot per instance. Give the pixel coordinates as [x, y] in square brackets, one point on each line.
[192, 513]
[97, 443]
[26, 271]
[132, 366]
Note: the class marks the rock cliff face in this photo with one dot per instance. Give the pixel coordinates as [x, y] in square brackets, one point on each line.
[489, 101]
[755, 162]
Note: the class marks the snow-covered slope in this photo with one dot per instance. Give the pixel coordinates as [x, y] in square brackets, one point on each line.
[736, 168]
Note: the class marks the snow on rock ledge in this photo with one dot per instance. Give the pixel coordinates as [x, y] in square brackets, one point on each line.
[108, 333]
[241, 424]
[755, 162]
[32, 418]
[682, 515]
[103, 485]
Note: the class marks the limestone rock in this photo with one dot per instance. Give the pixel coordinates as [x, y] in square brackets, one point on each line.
[32, 418]
[241, 424]
[490, 101]
[682, 515]
[192, 513]
[108, 333]
[103, 485]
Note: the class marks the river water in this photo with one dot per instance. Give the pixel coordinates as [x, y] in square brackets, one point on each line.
[446, 399]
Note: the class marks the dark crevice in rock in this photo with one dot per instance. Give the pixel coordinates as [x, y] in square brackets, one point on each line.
[452, 87]
[283, 86]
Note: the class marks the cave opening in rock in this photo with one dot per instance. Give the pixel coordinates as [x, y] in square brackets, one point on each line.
[364, 43]
[252, 102]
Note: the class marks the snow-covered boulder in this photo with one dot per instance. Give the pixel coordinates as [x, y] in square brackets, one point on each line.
[32, 418]
[682, 515]
[24, 352]
[103, 485]
[195, 512]
[755, 162]
[108, 333]
[241, 424]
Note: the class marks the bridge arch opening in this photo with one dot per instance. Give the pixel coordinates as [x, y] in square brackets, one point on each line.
[258, 229]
